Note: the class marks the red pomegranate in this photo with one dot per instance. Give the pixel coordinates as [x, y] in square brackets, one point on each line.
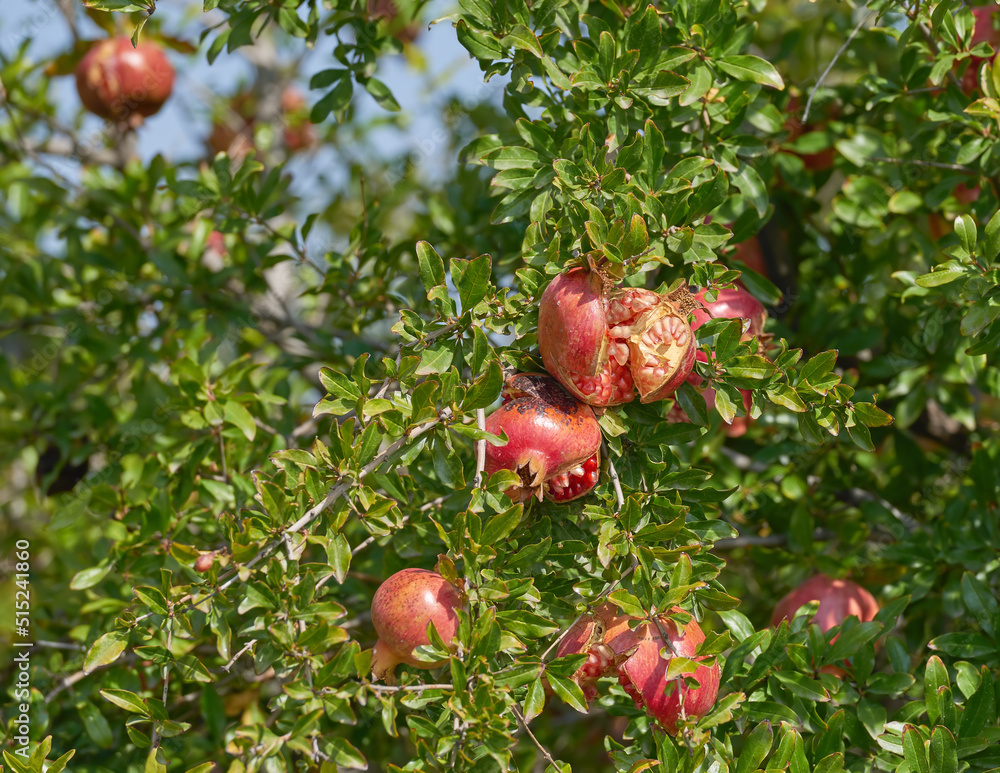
[605, 344]
[642, 670]
[554, 440]
[838, 600]
[984, 32]
[126, 84]
[402, 607]
[587, 636]
[204, 562]
[730, 304]
[298, 133]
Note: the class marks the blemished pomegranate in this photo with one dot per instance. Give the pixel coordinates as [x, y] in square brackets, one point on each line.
[554, 440]
[642, 670]
[117, 81]
[402, 607]
[588, 635]
[838, 600]
[606, 344]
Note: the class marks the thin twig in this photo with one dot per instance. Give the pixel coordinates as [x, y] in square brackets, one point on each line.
[409, 687]
[855, 31]
[236, 657]
[524, 724]
[314, 513]
[480, 449]
[615, 482]
[917, 162]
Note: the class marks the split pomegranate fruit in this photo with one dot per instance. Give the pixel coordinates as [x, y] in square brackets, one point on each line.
[633, 654]
[124, 83]
[402, 607]
[838, 600]
[554, 441]
[605, 343]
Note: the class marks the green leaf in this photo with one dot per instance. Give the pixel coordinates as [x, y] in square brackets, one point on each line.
[980, 709]
[522, 38]
[756, 748]
[935, 677]
[802, 686]
[152, 598]
[126, 700]
[963, 645]
[991, 239]
[534, 700]
[155, 761]
[480, 44]
[746, 67]
[569, 691]
[474, 282]
[382, 94]
[338, 554]
[106, 649]
[980, 602]
[980, 315]
[943, 751]
[913, 750]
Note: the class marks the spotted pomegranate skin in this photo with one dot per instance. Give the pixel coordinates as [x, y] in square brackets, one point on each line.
[838, 600]
[607, 344]
[642, 671]
[118, 82]
[554, 440]
[402, 607]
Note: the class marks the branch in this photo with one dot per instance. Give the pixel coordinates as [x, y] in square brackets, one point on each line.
[480, 449]
[855, 31]
[524, 724]
[311, 515]
[613, 474]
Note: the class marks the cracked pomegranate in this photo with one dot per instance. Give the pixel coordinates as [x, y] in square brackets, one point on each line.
[642, 671]
[554, 440]
[587, 635]
[118, 81]
[605, 345]
[402, 607]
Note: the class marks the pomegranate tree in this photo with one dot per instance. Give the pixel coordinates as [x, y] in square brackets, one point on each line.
[604, 343]
[554, 440]
[838, 600]
[124, 83]
[402, 607]
[642, 670]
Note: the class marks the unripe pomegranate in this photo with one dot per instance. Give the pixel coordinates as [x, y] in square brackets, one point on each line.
[838, 600]
[402, 607]
[642, 670]
[604, 345]
[118, 81]
[554, 440]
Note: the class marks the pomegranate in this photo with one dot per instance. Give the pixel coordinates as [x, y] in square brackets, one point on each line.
[984, 32]
[204, 562]
[554, 440]
[730, 304]
[117, 81]
[642, 670]
[298, 133]
[605, 344]
[402, 607]
[838, 600]
[588, 635]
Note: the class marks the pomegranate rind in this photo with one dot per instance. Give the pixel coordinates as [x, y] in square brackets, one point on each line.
[402, 607]
[732, 304]
[838, 600]
[549, 432]
[116, 81]
[642, 671]
[675, 354]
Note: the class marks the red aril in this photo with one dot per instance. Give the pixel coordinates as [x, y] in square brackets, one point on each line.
[402, 607]
[119, 82]
[605, 344]
[588, 635]
[554, 440]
